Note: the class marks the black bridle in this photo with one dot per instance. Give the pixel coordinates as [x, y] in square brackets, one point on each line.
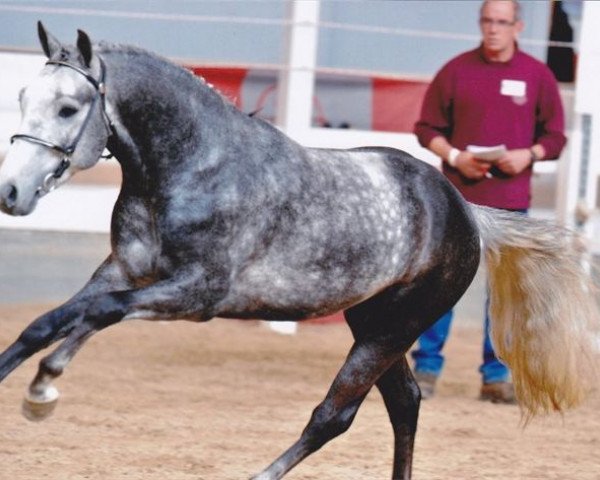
[68, 150]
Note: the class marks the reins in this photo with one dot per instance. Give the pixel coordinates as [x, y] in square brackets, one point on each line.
[67, 151]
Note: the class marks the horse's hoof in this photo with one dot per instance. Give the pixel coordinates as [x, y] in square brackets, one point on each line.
[262, 476]
[39, 407]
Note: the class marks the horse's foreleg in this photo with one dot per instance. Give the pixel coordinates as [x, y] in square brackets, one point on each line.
[57, 323]
[365, 363]
[42, 396]
[160, 300]
[401, 396]
[47, 329]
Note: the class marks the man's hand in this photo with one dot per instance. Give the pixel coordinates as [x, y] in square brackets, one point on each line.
[514, 161]
[470, 167]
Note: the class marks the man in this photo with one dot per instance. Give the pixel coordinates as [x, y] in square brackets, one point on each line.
[506, 103]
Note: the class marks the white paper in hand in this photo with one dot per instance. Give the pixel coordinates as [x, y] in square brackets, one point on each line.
[489, 154]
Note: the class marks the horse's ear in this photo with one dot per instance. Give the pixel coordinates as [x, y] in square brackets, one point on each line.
[50, 45]
[85, 47]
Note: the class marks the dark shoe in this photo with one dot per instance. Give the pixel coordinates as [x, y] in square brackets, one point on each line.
[426, 382]
[499, 392]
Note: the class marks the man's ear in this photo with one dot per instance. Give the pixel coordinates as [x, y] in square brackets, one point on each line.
[85, 47]
[519, 26]
[50, 45]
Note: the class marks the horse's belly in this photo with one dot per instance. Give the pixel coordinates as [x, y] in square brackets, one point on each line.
[296, 293]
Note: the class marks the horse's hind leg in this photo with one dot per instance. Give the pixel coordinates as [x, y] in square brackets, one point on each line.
[402, 398]
[366, 362]
[398, 388]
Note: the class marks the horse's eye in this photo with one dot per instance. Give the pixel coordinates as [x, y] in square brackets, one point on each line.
[66, 112]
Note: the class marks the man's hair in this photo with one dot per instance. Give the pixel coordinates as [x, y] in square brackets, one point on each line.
[516, 8]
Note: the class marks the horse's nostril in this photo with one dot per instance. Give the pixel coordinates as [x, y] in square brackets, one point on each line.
[12, 195]
[9, 195]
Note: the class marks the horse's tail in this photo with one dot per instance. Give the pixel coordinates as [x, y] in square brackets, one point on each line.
[543, 309]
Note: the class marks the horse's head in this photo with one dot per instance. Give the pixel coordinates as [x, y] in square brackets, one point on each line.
[64, 127]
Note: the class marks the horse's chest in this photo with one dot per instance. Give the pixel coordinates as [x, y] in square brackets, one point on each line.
[136, 244]
[139, 259]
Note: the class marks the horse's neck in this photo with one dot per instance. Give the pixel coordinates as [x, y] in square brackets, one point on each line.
[174, 129]
[163, 113]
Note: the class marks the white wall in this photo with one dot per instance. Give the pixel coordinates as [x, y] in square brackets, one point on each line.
[393, 37]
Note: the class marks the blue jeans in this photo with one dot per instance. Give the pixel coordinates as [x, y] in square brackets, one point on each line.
[429, 359]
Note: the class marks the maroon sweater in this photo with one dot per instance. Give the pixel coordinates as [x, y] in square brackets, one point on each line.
[470, 103]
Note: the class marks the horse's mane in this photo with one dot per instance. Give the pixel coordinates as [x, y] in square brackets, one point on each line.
[104, 47]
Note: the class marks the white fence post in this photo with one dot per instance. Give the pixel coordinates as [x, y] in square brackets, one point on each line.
[297, 82]
[587, 107]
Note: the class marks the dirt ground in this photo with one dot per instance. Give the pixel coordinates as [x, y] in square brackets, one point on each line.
[221, 400]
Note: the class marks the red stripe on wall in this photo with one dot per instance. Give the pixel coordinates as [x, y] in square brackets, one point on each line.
[228, 81]
[334, 318]
[396, 104]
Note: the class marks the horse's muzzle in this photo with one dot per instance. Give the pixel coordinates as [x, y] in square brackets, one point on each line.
[9, 201]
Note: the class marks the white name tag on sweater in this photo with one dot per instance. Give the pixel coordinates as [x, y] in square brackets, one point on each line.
[513, 88]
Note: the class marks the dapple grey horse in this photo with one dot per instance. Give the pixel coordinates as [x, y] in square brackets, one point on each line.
[221, 214]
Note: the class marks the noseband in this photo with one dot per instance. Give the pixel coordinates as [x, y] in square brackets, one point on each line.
[69, 149]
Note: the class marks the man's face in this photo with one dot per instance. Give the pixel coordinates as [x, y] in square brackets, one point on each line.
[499, 28]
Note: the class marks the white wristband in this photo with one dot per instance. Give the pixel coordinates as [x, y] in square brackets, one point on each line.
[454, 153]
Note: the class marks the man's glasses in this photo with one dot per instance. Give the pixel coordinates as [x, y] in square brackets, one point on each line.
[490, 22]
